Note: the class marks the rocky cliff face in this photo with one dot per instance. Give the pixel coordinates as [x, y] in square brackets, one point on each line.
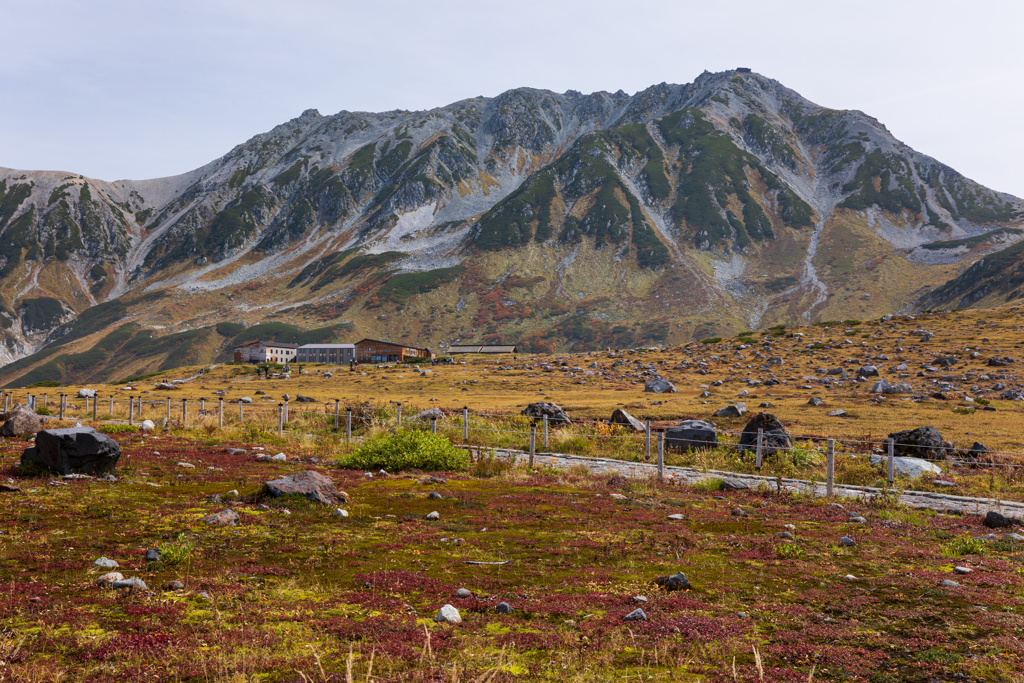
[547, 219]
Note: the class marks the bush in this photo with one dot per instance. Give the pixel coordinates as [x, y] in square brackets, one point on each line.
[963, 545]
[405, 450]
[118, 429]
[177, 552]
[710, 484]
[711, 340]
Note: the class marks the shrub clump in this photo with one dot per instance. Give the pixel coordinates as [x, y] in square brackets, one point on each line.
[406, 450]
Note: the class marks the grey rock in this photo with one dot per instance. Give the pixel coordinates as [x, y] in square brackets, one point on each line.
[504, 608]
[837, 413]
[857, 519]
[674, 582]
[691, 435]
[429, 413]
[847, 541]
[109, 578]
[463, 593]
[962, 570]
[784, 535]
[433, 516]
[636, 615]
[310, 485]
[908, 467]
[21, 422]
[448, 615]
[867, 371]
[639, 598]
[554, 413]
[132, 583]
[106, 563]
[340, 513]
[815, 401]
[734, 410]
[153, 555]
[775, 438]
[947, 583]
[733, 484]
[676, 517]
[739, 512]
[659, 386]
[621, 417]
[236, 451]
[222, 518]
[943, 482]
[305, 399]
[1016, 538]
[174, 586]
[74, 450]
[434, 495]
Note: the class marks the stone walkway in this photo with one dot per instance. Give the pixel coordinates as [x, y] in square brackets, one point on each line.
[940, 502]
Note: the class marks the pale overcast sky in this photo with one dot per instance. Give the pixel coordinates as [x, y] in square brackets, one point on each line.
[141, 89]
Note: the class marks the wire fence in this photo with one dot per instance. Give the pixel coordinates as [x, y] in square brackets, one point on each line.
[504, 430]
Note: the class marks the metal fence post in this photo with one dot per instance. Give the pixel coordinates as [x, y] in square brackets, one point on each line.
[760, 449]
[202, 405]
[348, 425]
[398, 415]
[168, 408]
[220, 413]
[336, 409]
[533, 441]
[647, 440]
[131, 410]
[286, 411]
[892, 461]
[60, 407]
[44, 402]
[240, 404]
[465, 423]
[280, 419]
[661, 455]
[94, 400]
[433, 425]
[545, 433]
[184, 412]
[830, 467]
[112, 406]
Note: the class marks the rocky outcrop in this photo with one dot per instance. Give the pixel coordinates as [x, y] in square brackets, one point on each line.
[74, 450]
[554, 413]
[21, 421]
[774, 438]
[691, 435]
[309, 484]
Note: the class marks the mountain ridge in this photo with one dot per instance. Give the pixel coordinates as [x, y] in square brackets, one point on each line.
[731, 194]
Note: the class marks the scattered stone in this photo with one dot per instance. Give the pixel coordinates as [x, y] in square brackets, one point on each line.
[174, 586]
[996, 362]
[850, 577]
[994, 520]
[299, 398]
[739, 512]
[691, 435]
[962, 570]
[674, 582]
[734, 410]
[775, 437]
[433, 516]
[659, 385]
[167, 386]
[74, 449]
[186, 465]
[434, 495]
[857, 519]
[867, 371]
[448, 615]
[153, 555]
[9, 488]
[636, 615]
[923, 442]
[555, 414]
[132, 583]
[639, 598]
[784, 535]
[21, 422]
[837, 413]
[676, 517]
[1016, 538]
[621, 417]
[222, 518]
[815, 401]
[947, 583]
[463, 593]
[86, 393]
[908, 467]
[340, 513]
[733, 484]
[147, 425]
[504, 608]
[309, 484]
[943, 482]
[847, 541]
[108, 579]
[279, 457]
[236, 451]
[106, 563]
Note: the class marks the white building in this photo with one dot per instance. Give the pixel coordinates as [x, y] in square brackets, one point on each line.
[266, 352]
[326, 353]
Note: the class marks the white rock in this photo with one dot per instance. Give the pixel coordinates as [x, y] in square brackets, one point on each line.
[340, 513]
[186, 465]
[911, 467]
[106, 563]
[448, 615]
[434, 516]
[109, 578]
[147, 425]
[86, 393]
[280, 457]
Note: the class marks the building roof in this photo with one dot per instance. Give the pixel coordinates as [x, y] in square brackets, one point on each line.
[481, 349]
[389, 343]
[277, 345]
[328, 346]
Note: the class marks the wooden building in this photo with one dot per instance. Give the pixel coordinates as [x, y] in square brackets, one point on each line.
[265, 352]
[376, 351]
[326, 353]
[452, 350]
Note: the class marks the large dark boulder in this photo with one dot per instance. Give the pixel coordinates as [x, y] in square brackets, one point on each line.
[923, 442]
[555, 414]
[309, 484]
[74, 450]
[21, 421]
[775, 438]
[691, 435]
[660, 385]
[621, 417]
[997, 362]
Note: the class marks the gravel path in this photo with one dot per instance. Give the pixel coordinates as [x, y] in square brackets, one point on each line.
[940, 502]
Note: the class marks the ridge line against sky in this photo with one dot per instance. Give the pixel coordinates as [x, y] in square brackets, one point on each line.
[116, 90]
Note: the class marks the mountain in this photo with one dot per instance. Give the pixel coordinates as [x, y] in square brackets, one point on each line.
[549, 220]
